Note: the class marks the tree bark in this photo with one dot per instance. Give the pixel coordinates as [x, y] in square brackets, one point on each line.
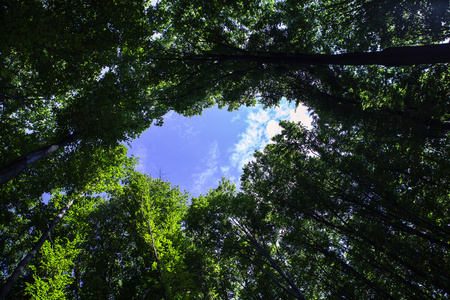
[19, 165]
[389, 57]
[24, 262]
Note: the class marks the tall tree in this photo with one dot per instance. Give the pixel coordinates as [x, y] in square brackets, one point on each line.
[366, 190]
[133, 244]
[101, 173]
[159, 216]
[52, 274]
[239, 235]
[70, 71]
[12, 279]
[233, 51]
[185, 56]
[364, 213]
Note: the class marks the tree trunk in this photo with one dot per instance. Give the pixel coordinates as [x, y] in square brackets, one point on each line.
[389, 57]
[158, 262]
[247, 236]
[24, 262]
[19, 165]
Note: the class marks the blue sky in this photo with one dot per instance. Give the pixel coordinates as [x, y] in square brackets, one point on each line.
[195, 153]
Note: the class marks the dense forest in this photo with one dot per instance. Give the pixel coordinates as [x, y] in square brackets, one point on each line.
[357, 207]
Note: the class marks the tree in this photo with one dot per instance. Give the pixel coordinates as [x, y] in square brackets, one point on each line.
[233, 51]
[69, 75]
[239, 235]
[26, 260]
[52, 275]
[364, 212]
[132, 245]
[387, 22]
[185, 56]
[96, 176]
[107, 111]
[20, 164]
[366, 189]
[159, 216]
[112, 260]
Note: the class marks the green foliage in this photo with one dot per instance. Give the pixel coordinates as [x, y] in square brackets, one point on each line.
[128, 237]
[363, 24]
[361, 210]
[73, 68]
[162, 209]
[238, 236]
[51, 275]
[356, 208]
[24, 220]
[111, 260]
[188, 55]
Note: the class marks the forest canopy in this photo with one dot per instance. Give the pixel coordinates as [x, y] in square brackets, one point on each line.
[356, 207]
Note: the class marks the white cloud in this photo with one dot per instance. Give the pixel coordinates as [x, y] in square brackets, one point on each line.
[282, 110]
[301, 114]
[141, 153]
[170, 116]
[262, 126]
[235, 118]
[260, 116]
[272, 129]
[254, 138]
[207, 175]
[213, 155]
[225, 170]
[188, 131]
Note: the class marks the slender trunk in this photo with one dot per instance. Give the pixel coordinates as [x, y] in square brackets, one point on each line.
[261, 268]
[158, 262]
[251, 239]
[394, 56]
[19, 165]
[297, 293]
[23, 264]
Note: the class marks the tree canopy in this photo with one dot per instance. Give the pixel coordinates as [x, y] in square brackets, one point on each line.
[368, 212]
[356, 207]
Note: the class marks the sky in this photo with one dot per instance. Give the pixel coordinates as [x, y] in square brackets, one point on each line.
[194, 153]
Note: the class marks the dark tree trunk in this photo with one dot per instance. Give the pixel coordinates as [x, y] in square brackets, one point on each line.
[394, 56]
[19, 165]
[24, 262]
